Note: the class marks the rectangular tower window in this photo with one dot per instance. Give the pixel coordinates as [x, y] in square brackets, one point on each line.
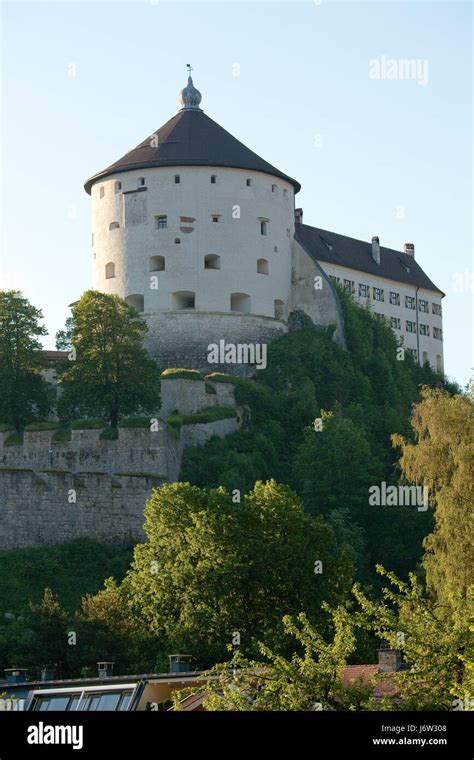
[141, 182]
[161, 222]
[249, 182]
[213, 179]
[177, 179]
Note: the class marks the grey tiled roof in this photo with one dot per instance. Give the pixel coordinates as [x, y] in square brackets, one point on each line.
[191, 139]
[357, 254]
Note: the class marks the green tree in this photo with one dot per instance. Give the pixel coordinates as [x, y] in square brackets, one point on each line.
[24, 395]
[111, 374]
[441, 457]
[435, 644]
[214, 572]
[334, 467]
[312, 679]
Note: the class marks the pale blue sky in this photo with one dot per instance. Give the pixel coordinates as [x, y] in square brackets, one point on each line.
[387, 149]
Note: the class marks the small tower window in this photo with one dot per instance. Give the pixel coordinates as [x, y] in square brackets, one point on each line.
[262, 266]
[285, 193]
[211, 261]
[157, 264]
[274, 188]
[141, 182]
[263, 227]
[92, 238]
[215, 218]
[249, 182]
[278, 308]
[117, 186]
[114, 225]
[240, 302]
[136, 301]
[183, 299]
[161, 222]
[177, 241]
[101, 192]
[276, 249]
[109, 270]
[177, 179]
[213, 179]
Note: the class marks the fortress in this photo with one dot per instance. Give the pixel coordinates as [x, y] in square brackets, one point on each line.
[197, 232]
[201, 236]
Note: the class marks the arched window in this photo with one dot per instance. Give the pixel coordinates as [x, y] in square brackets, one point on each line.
[183, 299]
[262, 266]
[212, 261]
[114, 225]
[240, 302]
[279, 308]
[102, 192]
[136, 301]
[109, 270]
[157, 263]
[117, 186]
[141, 182]
[263, 227]
[274, 188]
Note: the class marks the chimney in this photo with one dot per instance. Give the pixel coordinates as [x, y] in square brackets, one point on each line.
[48, 673]
[376, 250]
[105, 669]
[409, 249]
[180, 663]
[390, 660]
[298, 216]
[16, 675]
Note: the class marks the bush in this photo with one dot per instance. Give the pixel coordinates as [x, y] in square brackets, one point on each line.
[181, 373]
[205, 416]
[61, 436]
[5, 427]
[221, 377]
[109, 434]
[44, 425]
[90, 424]
[15, 439]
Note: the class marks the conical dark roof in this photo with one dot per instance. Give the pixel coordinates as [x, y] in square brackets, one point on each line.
[190, 139]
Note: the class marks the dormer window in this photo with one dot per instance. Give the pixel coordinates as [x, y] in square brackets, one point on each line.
[141, 182]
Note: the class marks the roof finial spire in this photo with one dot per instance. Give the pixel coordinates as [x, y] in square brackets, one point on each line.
[190, 97]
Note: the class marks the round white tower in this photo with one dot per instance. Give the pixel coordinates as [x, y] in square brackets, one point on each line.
[194, 230]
